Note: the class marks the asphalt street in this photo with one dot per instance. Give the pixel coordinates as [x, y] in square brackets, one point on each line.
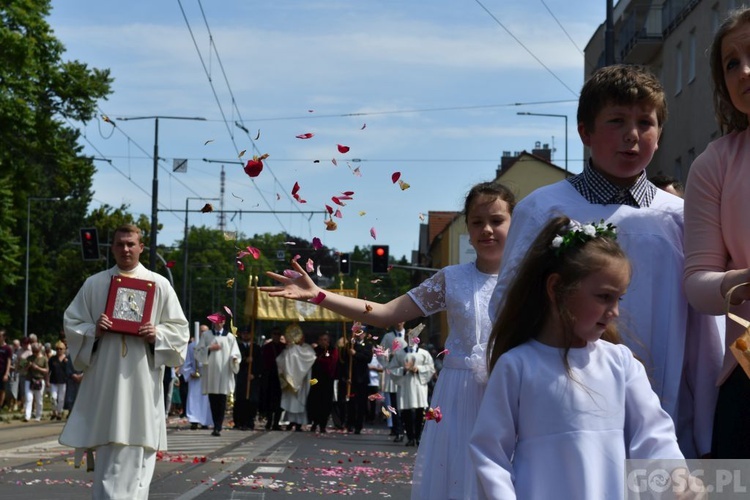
[249, 465]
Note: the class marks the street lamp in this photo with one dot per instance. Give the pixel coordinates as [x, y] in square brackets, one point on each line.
[155, 183]
[185, 251]
[566, 129]
[28, 243]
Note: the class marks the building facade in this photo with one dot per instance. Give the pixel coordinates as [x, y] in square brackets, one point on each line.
[672, 38]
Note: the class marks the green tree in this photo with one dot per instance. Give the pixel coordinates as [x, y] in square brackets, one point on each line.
[41, 95]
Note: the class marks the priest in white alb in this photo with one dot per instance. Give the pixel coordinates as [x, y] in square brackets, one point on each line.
[119, 410]
[198, 411]
[219, 356]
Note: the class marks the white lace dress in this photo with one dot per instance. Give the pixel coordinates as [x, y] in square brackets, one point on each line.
[443, 469]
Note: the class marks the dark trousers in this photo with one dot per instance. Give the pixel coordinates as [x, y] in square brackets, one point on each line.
[244, 413]
[396, 427]
[357, 408]
[731, 433]
[272, 419]
[413, 423]
[218, 404]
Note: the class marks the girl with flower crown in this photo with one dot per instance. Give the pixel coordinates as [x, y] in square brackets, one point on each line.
[442, 468]
[563, 407]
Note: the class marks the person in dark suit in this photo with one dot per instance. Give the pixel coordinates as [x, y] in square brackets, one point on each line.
[270, 388]
[246, 398]
[320, 399]
[360, 350]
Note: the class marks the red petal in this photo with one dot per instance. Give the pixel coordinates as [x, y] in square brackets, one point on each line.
[170, 264]
[342, 149]
[395, 176]
[254, 252]
[348, 193]
[316, 243]
[254, 168]
[295, 188]
[307, 135]
[330, 209]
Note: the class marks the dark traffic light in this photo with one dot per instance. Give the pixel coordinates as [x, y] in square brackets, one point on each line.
[89, 244]
[379, 259]
[344, 263]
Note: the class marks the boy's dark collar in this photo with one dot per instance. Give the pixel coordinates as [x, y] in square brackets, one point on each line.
[598, 190]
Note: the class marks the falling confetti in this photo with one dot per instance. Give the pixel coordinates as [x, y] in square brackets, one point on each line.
[395, 176]
[363, 126]
[335, 163]
[357, 172]
[362, 212]
[404, 186]
[373, 233]
[421, 217]
[242, 153]
[307, 135]
[338, 214]
[257, 136]
[230, 283]
[309, 266]
[207, 208]
[295, 193]
[208, 142]
[342, 149]
[337, 201]
[434, 414]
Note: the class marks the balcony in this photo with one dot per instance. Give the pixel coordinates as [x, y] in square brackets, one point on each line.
[640, 38]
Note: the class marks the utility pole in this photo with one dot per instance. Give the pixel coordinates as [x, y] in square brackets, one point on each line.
[609, 37]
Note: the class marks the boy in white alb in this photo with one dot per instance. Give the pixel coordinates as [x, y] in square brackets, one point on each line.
[620, 115]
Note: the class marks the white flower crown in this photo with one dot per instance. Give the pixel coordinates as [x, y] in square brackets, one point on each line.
[577, 234]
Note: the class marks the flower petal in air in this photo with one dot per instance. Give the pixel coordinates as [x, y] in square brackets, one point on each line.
[329, 209]
[363, 126]
[207, 208]
[403, 185]
[309, 266]
[242, 153]
[170, 264]
[342, 149]
[338, 214]
[330, 225]
[229, 311]
[291, 274]
[240, 265]
[335, 163]
[230, 283]
[395, 176]
[254, 167]
[373, 233]
[362, 212]
[306, 135]
[316, 243]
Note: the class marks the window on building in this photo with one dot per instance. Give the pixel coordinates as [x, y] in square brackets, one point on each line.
[691, 57]
[678, 69]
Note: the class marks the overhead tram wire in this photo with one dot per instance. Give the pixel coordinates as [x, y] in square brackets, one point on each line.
[221, 109]
[561, 26]
[119, 171]
[240, 122]
[519, 42]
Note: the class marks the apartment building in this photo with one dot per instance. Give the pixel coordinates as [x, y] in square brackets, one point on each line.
[672, 38]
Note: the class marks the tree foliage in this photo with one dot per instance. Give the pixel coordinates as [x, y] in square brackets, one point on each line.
[41, 95]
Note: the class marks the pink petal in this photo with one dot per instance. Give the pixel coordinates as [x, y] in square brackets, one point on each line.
[229, 311]
[316, 243]
[309, 266]
[254, 252]
[305, 136]
[291, 274]
[338, 214]
[373, 234]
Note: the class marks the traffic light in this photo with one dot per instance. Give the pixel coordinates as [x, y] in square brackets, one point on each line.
[379, 259]
[344, 263]
[89, 244]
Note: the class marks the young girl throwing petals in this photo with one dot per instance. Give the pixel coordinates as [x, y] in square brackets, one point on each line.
[563, 407]
[442, 469]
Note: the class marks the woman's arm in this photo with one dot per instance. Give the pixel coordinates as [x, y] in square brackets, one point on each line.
[303, 288]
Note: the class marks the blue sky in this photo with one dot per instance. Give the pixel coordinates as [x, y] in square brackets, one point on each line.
[427, 89]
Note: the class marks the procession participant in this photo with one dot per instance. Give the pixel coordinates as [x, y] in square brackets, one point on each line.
[270, 389]
[247, 387]
[198, 411]
[295, 365]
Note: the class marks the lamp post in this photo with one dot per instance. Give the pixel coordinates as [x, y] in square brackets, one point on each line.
[566, 129]
[28, 243]
[185, 250]
[155, 182]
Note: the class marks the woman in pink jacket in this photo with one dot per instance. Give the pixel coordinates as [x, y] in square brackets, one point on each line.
[717, 226]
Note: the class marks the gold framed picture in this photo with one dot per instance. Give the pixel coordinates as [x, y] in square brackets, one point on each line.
[129, 303]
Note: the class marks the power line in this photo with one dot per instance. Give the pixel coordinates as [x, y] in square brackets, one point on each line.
[561, 26]
[525, 48]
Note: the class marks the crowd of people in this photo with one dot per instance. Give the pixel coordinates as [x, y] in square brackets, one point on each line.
[586, 328]
[32, 371]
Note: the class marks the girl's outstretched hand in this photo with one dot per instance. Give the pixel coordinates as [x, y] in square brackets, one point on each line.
[294, 284]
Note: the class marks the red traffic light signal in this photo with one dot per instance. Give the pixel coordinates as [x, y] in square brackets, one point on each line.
[89, 244]
[379, 258]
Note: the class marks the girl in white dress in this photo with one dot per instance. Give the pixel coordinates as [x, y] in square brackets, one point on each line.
[563, 407]
[443, 469]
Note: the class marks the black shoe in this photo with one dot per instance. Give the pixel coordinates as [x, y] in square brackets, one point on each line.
[411, 442]
[312, 428]
[276, 428]
[393, 433]
[216, 433]
[298, 427]
[399, 439]
[322, 430]
[204, 427]
[193, 426]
